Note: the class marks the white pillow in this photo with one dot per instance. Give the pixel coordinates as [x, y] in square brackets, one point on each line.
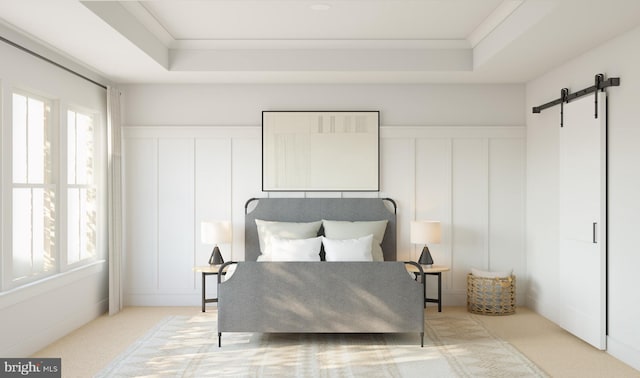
[348, 249]
[338, 230]
[285, 230]
[295, 249]
[487, 274]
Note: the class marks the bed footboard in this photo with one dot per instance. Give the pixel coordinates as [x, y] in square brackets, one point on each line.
[321, 297]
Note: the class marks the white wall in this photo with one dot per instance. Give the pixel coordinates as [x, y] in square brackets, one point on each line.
[617, 58]
[399, 105]
[193, 152]
[35, 315]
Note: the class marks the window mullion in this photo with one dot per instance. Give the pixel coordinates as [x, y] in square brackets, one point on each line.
[31, 223]
[26, 141]
[62, 197]
[75, 149]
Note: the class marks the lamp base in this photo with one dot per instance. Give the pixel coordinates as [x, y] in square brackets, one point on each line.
[425, 257]
[216, 257]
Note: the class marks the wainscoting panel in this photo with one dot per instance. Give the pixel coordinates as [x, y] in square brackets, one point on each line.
[506, 204]
[433, 195]
[175, 178]
[469, 204]
[246, 182]
[212, 193]
[469, 178]
[176, 209]
[140, 163]
[397, 180]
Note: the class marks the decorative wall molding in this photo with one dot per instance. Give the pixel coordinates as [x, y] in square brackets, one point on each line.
[469, 177]
[389, 131]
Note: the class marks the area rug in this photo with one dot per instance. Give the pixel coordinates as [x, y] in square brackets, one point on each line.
[455, 346]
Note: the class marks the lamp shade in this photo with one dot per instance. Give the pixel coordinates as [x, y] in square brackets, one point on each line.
[215, 232]
[425, 232]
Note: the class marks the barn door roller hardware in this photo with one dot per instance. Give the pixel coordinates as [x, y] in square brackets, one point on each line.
[565, 97]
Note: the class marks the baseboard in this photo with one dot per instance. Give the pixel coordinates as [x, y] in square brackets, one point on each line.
[531, 303]
[624, 353]
[454, 298]
[163, 300]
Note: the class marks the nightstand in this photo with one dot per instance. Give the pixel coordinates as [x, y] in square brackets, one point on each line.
[431, 270]
[206, 270]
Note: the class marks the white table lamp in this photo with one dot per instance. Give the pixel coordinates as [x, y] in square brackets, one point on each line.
[215, 232]
[425, 232]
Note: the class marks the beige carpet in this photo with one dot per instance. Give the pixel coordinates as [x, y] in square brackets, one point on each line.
[456, 345]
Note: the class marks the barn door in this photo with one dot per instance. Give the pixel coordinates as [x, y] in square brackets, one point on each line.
[582, 221]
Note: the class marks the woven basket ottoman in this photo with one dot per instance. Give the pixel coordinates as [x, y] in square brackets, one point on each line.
[491, 296]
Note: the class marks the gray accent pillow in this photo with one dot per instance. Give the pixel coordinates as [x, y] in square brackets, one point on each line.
[340, 230]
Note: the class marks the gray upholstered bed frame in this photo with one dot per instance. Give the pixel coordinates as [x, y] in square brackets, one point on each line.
[320, 297]
[315, 209]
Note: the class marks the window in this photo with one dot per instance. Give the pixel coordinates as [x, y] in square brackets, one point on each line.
[34, 191]
[81, 188]
[55, 178]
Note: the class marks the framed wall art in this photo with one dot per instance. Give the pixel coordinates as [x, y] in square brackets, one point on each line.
[320, 150]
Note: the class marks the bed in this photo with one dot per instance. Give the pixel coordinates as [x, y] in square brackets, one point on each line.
[321, 296]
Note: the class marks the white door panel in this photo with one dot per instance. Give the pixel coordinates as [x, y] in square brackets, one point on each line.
[582, 220]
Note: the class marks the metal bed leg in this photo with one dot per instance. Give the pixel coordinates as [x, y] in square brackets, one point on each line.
[219, 339]
[204, 285]
[421, 339]
[439, 292]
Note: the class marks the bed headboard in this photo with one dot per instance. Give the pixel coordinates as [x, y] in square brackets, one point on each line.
[314, 209]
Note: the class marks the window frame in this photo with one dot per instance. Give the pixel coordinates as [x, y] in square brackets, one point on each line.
[9, 280]
[58, 115]
[64, 264]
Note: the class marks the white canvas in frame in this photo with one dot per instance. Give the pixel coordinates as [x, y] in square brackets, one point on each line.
[320, 151]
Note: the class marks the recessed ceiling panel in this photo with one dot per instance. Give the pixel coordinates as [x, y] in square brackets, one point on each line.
[304, 19]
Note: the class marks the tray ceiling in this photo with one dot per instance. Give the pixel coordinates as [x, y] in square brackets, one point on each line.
[338, 41]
